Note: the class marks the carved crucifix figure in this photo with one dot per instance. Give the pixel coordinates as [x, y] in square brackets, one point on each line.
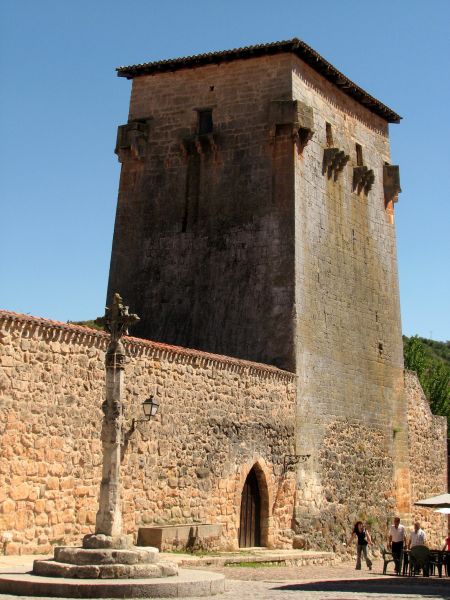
[116, 321]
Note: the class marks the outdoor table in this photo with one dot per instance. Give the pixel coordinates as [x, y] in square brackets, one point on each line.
[439, 557]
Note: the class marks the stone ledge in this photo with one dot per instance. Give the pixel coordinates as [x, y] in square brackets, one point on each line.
[280, 557]
[186, 583]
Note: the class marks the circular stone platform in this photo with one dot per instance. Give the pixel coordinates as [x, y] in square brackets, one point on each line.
[104, 563]
[186, 583]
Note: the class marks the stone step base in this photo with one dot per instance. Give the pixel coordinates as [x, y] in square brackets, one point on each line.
[53, 568]
[105, 556]
[187, 583]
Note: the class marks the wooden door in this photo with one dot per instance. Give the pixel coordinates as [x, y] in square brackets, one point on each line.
[250, 524]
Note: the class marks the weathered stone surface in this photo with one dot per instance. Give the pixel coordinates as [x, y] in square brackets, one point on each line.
[99, 540]
[234, 243]
[427, 434]
[186, 583]
[227, 209]
[307, 266]
[53, 568]
[217, 414]
[171, 537]
[82, 556]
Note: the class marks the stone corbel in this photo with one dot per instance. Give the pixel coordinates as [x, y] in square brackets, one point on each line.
[202, 144]
[296, 115]
[184, 147]
[198, 145]
[301, 137]
[363, 179]
[391, 184]
[334, 161]
[132, 140]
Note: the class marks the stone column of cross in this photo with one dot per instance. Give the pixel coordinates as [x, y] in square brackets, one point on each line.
[116, 321]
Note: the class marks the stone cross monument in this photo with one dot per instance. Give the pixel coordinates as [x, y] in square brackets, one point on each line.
[116, 322]
[109, 553]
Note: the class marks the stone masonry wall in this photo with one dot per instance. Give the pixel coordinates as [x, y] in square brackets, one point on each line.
[211, 253]
[428, 456]
[356, 475]
[349, 357]
[218, 417]
[297, 269]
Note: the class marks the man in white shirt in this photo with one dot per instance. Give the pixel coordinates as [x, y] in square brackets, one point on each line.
[397, 539]
[418, 537]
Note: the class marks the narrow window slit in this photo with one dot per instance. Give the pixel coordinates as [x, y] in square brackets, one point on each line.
[359, 155]
[329, 134]
[205, 121]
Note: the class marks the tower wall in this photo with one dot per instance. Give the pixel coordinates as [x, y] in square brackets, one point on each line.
[273, 239]
[204, 237]
[348, 330]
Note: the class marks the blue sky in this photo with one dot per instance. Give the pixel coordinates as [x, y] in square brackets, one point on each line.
[61, 103]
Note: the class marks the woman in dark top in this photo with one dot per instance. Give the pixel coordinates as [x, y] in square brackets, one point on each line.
[363, 537]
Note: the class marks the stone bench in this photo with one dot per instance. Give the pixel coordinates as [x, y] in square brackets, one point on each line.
[181, 537]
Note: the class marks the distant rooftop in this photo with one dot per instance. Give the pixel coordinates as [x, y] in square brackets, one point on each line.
[296, 46]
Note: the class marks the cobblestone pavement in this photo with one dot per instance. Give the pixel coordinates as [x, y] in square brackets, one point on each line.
[339, 582]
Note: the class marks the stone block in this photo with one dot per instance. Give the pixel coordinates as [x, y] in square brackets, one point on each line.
[171, 537]
[8, 506]
[97, 541]
[20, 492]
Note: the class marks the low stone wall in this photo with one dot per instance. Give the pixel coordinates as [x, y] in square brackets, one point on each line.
[218, 418]
[428, 459]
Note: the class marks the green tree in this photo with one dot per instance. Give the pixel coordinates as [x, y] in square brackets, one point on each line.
[415, 356]
[433, 373]
[439, 389]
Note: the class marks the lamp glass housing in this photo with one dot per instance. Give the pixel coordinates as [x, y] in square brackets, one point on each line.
[150, 407]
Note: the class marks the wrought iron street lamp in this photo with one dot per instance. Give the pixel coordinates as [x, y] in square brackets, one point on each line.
[150, 408]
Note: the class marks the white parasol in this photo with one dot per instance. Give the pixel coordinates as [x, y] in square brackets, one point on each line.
[438, 502]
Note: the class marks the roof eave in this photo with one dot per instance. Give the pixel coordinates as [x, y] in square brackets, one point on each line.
[296, 46]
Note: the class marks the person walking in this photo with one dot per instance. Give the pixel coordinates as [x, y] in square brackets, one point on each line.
[397, 539]
[363, 540]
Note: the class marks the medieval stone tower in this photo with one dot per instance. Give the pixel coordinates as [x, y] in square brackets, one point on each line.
[255, 219]
[254, 226]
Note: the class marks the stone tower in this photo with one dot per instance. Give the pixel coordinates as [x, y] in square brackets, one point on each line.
[255, 219]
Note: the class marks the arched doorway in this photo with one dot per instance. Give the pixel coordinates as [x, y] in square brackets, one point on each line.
[253, 510]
